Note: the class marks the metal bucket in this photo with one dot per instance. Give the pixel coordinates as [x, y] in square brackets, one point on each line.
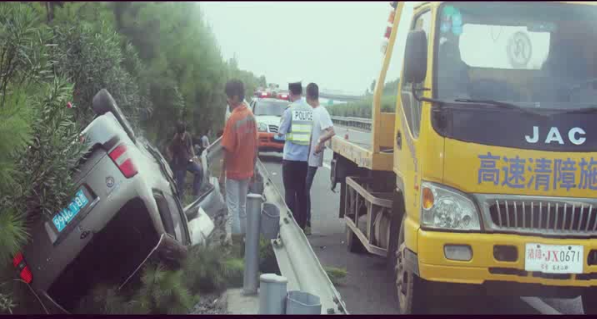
[257, 187]
[270, 221]
[302, 303]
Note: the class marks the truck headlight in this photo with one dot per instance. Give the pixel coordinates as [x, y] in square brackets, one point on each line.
[262, 127]
[444, 208]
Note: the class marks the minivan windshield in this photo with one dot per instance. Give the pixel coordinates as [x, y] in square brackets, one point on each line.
[273, 108]
[518, 52]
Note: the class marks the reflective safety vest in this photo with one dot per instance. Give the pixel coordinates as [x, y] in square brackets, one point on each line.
[301, 122]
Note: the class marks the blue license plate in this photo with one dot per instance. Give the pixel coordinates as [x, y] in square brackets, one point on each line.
[65, 216]
[279, 138]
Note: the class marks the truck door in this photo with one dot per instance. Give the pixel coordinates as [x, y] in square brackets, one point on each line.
[408, 123]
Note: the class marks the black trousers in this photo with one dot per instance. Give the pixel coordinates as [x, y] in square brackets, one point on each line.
[294, 175]
[310, 176]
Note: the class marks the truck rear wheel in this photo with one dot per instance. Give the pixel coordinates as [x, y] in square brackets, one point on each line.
[409, 288]
[589, 301]
[353, 243]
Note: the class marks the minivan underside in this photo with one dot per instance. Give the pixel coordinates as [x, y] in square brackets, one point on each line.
[111, 256]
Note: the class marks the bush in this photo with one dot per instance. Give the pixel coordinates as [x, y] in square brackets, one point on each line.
[38, 147]
[91, 58]
[162, 291]
[234, 272]
[205, 269]
[169, 291]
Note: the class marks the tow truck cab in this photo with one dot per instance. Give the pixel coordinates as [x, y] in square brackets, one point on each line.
[486, 174]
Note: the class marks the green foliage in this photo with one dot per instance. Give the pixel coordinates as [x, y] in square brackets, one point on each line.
[363, 108]
[6, 304]
[92, 59]
[164, 291]
[267, 257]
[205, 269]
[336, 274]
[160, 61]
[14, 124]
[184, 70]
[234, 271]
[46, 166]
[169, 291]
[39, 132]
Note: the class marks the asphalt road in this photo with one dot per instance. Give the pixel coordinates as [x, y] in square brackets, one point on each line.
[367, 289]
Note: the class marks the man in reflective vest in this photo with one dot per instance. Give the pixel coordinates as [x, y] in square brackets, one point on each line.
[296, 125]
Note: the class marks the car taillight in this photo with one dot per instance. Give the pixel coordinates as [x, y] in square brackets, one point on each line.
[24, 272]
[123, 161]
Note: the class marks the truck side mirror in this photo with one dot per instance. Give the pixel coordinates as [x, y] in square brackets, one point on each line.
[415, 57]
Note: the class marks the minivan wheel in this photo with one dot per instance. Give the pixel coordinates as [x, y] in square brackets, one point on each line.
[409, 287]
[589, 301]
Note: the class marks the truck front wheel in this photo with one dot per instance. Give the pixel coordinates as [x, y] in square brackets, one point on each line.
[589, 301]
[409, 288]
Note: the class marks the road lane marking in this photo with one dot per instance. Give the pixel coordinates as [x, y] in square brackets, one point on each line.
[540, 306]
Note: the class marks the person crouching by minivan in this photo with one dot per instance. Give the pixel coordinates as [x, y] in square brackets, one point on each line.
[183, 159]
[240, 156]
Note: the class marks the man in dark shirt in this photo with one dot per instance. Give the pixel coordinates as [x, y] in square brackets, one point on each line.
[183, 159]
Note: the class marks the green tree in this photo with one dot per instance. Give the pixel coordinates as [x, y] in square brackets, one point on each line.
[38, 144]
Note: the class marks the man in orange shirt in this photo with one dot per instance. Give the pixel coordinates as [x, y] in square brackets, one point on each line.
[240, 156]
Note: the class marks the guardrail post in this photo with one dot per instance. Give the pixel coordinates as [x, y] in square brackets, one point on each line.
[253, 231]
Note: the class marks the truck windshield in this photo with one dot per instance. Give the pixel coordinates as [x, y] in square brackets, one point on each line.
[273, 108]
[527, 54]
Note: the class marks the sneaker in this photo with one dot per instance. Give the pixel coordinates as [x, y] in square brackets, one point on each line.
[307, 230]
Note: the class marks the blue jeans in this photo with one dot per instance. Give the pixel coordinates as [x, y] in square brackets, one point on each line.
[236, 201]
[180, 174]
[310, 176]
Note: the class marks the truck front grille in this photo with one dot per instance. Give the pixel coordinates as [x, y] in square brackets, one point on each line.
[273, 129]
[558, 217]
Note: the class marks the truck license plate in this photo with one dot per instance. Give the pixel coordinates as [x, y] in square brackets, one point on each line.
[554, 259]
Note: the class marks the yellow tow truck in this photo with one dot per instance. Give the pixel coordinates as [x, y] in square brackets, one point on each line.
[485, 174]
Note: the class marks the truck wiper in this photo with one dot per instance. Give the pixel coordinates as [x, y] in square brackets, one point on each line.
[504, 105]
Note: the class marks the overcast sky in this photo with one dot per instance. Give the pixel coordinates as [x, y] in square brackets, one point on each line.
[335, 44]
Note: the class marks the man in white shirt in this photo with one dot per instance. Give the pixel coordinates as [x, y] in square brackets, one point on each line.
[323, 130]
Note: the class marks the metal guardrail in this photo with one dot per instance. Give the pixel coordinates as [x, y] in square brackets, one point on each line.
[296, 259]
[356, 122]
